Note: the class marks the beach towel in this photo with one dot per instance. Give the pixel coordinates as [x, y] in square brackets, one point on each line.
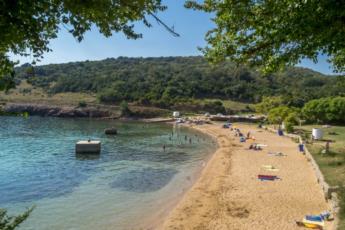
[277, 154]
[268, 177]
[270, 168]
[316, 218]
[309, 225]
[313, 223]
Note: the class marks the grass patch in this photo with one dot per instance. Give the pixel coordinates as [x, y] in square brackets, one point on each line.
[229, 105]
[332, 164]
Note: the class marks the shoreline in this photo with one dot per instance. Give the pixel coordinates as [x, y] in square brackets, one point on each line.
[157, 221]
[227, 195]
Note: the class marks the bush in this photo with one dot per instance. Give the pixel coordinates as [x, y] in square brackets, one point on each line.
[125, 111]
[82, 104]
[214, 107]
[277, 115]
[267, 104]
[329, 110]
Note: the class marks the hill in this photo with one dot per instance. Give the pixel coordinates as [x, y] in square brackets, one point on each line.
[167, 81]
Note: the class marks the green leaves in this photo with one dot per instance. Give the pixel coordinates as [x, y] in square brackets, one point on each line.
[326, 110]
[28, 26]
[273, 34]
[12, 222]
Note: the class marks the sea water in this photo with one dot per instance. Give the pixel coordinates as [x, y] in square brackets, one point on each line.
[131, 182]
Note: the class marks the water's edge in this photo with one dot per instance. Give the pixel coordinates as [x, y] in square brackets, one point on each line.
[158, 221]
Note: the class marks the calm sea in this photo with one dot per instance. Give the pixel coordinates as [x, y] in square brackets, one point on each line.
[131, 182]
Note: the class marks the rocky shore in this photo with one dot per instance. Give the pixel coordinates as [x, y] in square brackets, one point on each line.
[56, 111]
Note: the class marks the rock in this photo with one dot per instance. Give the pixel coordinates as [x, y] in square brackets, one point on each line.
[55, 111]
[110, 131]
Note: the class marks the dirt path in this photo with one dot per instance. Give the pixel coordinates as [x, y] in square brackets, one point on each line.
[228, 194]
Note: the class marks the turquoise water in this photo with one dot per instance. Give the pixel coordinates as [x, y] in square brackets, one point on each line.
[132, 182]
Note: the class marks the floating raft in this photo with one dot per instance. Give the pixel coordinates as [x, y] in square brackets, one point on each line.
[88, 147]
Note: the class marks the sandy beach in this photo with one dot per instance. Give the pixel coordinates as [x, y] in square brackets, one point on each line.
[228, 194]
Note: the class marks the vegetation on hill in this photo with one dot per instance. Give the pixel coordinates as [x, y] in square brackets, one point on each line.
[166, 81]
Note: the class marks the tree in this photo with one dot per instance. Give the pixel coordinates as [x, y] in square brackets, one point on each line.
[272, 34]
[278, 114]
[268, 103]
[325, 110]
[28, 26]
[12, 222]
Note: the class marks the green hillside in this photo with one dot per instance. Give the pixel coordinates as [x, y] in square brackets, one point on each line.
[165, 81]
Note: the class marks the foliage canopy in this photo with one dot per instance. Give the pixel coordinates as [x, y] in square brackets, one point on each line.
[272, 34]
[28, 26]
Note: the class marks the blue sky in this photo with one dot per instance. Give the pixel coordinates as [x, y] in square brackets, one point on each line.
[156, 41]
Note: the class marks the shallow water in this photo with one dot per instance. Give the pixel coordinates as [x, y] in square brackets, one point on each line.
[131, 181]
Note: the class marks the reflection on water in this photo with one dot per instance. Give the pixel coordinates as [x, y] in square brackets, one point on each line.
[87, 156]
[133, 173]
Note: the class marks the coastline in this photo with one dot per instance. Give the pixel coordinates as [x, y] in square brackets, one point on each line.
[157, 221]
[227, 195]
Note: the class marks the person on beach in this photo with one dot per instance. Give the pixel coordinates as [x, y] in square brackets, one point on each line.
[164, 148]
[248, 135]
[327, 147]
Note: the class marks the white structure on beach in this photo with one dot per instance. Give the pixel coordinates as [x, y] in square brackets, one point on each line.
[317, 134]
[176, 114]
[88, 147]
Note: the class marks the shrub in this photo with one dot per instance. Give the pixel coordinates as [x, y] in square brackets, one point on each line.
[82, 104]
[267, 104]
[214, 107]
[330, 110]
[125, 111]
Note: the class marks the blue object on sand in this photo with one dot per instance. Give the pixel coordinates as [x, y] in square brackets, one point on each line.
[280, 132]
[301, 148]
[242, 139]
[316, 218]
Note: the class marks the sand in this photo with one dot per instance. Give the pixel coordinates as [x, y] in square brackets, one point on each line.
[228, 194]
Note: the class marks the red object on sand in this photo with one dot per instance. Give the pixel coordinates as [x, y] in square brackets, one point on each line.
[267, 177]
